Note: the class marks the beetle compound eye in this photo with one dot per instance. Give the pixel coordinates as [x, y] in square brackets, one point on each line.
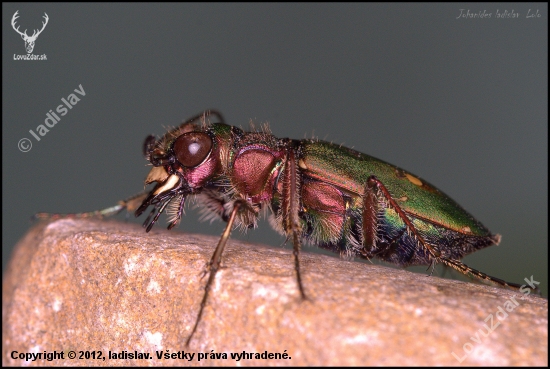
[192, 148]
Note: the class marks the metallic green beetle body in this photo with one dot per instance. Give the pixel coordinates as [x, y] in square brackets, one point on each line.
[317, 192]
[434, 215]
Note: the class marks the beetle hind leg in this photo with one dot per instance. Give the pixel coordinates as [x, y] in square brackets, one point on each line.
[375, 194]
[473, 273]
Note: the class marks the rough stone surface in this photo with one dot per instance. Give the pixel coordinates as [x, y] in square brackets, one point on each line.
[107, 286]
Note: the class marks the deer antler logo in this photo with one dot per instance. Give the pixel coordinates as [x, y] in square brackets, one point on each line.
[29, 40]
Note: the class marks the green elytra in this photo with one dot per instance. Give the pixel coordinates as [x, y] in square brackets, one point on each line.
[350, 170]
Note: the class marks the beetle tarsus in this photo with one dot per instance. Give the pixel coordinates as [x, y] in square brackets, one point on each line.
[471, 272]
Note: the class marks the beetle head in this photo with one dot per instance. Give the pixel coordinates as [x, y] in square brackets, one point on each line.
[184, 161]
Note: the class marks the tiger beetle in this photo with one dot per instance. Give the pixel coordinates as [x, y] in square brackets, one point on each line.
[317, 192]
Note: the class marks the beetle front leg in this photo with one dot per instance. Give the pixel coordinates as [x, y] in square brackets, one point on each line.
[215, 262]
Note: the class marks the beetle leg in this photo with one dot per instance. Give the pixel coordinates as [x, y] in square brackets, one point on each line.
[215, 261]
[471, 272]
[290, 210]
[129, 204]
[374, 188]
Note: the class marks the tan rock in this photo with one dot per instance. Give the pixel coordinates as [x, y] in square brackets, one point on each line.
[96, 286]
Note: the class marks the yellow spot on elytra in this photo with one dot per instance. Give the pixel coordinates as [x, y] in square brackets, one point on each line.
[302, 165]
[413, 179]
[466, 230]
[404, 198]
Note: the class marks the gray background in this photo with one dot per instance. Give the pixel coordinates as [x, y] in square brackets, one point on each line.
[460, 102]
